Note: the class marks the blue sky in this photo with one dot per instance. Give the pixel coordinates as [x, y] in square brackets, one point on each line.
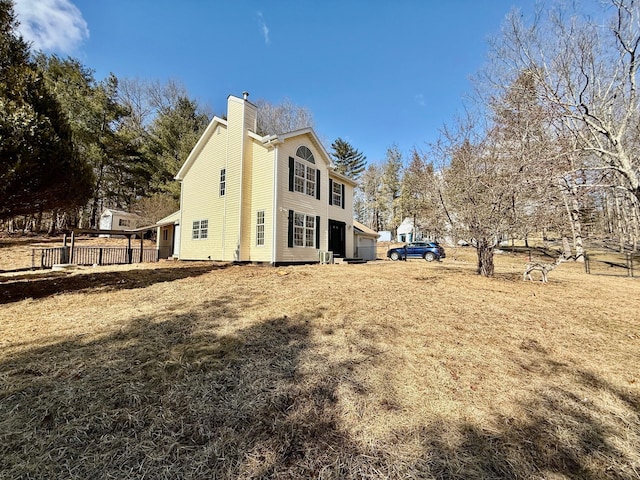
[375, 73]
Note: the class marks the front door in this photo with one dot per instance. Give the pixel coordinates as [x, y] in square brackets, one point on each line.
[337, 243]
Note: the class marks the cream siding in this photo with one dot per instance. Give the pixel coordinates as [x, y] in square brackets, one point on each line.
[344, 214]
[251, 187]
[259, 193]
[234, 165]
[201, 200]
[300, 202]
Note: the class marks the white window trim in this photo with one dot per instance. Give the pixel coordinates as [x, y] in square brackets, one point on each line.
[302, 233]
[305, 183]
[337, 194]
[200, 229]
[260, 228]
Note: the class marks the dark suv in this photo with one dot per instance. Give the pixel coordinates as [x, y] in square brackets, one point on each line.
[430, 251]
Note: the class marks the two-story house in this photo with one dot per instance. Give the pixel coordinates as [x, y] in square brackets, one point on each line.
[252, 198]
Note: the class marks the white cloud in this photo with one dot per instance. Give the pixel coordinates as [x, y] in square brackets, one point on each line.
[51, 25]
[264, 28]
[420, 100]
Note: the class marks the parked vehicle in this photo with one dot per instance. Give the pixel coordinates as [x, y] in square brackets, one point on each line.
[430, 251]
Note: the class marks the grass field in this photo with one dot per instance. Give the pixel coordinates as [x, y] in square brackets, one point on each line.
[383, 370]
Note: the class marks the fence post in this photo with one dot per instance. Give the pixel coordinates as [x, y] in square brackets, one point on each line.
[100, 256]
[629, 265]
[587, 268]
[73, 243]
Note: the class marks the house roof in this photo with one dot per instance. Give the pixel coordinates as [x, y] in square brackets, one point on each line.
[363, 230]
[169, 219]
[267, 140]
[275, 139]
[113, 211]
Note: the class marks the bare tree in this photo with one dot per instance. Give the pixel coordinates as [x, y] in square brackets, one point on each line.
[282, 118]
[372, 209]
[586, 74]
[490, 185]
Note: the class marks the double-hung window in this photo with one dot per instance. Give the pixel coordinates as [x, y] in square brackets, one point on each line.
[304, 230]
[260, 228]
[304, 179]
[336, 194]
[200, 229]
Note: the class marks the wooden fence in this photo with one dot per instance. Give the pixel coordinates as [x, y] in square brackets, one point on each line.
[47, 257]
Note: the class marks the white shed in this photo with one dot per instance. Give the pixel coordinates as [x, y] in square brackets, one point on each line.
[112, 219]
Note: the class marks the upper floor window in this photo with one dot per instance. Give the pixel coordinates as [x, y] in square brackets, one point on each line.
[304, 178]
[305, 154]
[336, 194]
[223, 181]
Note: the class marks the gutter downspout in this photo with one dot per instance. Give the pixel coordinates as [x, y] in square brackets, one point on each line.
[274, 221]
[181, 223]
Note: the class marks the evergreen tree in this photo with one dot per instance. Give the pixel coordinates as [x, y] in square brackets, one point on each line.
[39, 167]
[391, 187]
[173, 134]
[347, 160]
[102, 135]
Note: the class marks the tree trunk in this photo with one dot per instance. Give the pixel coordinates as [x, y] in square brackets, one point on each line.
[573, 210]
[484, 250]
[619, 222]
[52, 226]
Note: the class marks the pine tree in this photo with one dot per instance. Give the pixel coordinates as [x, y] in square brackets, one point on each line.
[347, 160]
[39, 167]
[391, 187]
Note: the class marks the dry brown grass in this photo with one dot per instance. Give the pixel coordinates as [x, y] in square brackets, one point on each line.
[384, 370]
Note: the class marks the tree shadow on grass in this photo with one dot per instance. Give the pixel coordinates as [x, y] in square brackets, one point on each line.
[578, 426]
[15, 290]
[190, 396]
[210, 395]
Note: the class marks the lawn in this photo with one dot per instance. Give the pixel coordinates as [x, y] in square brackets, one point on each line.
[382, 370]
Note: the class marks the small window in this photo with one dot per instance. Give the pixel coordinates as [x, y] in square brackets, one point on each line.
[124, 222]
[165, 234]
[336, 194]
[260, 228]
[200, 229]
[223, 181]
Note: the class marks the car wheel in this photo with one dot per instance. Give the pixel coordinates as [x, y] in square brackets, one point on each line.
[429, 256]
[394, 256]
